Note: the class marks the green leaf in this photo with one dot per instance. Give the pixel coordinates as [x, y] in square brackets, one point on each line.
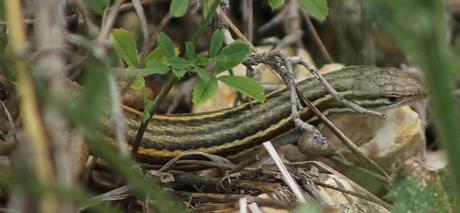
[156, 55]
[178, 63]
[201, 61]
[202, 73]
[138, 83]
[97, 6]
[125, 46]
[317, 8]
[178, 7]
[148, 104]
[410, 196]
[154, 67]
[179, 73]
[217, 41]
[275, 4]
[245, 85]
[231, 56]
[204, 90]
[166, 45]
[190, 51]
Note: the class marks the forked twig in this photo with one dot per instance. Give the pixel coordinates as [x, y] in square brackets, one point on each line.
[281, 65]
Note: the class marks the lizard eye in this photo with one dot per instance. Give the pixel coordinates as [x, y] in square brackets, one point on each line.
[3, 95]
[393, 98]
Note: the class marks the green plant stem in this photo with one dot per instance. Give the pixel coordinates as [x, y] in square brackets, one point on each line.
[445, 108]
[143, 126]
[172, 79]
[205, 22]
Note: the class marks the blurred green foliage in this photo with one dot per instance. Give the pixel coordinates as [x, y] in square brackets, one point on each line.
[36, 189]
[316, 8]
[88, 110]
[97, 6]
[408, 195]
[275, 4]
[178, 7]
[2, 11]
[419, 28]
[310, 208]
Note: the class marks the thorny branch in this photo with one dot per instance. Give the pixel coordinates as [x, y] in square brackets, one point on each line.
[278, 63]
[330, 89]
[283, 66]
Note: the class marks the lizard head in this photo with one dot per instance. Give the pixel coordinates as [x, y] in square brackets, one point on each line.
[396, 88]
[376, 87]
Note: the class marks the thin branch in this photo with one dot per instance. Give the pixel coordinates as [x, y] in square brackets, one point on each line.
[249, 19]
[287, 178]
[10, 138]
[311, 29]
[343, 138]
[254, 208]
[243, 204]
[141, 14]
[29, 106]
[32, 21]
[116, 105]
[92, 28]
[206, 21]
[107, 25]
[117, 115]
[356, 186]
[356, 194]
[50, 28]
[274, 21]
[235, 29]
[129, 6]
[317, 137]
[143, 126]
[292, 27]
[149, 46]
[227, 197]
[282, 66]
[337, 96]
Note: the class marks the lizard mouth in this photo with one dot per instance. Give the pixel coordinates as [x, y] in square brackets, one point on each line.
[393, 101]
[387, 102]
